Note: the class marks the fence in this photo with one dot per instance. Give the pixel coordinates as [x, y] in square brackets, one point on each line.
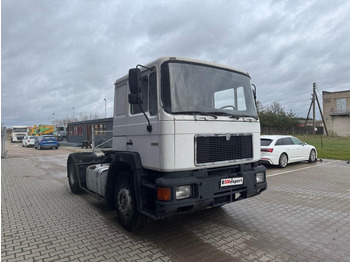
[93, 138]
[3, 142]
[291, 130]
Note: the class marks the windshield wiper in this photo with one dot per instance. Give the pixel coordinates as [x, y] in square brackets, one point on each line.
[214, 114]
[237, 116]
[196, 113]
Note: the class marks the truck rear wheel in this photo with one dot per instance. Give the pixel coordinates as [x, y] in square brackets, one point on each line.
[73, 178]
[125, 203]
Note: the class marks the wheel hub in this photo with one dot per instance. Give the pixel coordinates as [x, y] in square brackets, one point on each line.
[124, 201]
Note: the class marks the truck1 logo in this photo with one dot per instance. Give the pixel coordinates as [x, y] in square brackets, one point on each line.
[232, 181]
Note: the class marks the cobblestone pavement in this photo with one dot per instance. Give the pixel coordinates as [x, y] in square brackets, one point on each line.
[303, 216]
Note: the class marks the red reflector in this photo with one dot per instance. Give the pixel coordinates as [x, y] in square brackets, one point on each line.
[270, 150]
[28, 140]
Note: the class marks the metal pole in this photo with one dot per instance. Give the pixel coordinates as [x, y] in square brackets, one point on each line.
[3, 142]
[307, 118]
[324, 123]
[93, 138]
[73, 112]
[105, 108]
[314, 108]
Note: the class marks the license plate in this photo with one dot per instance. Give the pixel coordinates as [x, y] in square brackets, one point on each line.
[234, 181]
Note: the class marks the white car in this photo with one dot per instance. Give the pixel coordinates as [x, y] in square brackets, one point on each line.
[28, 141]
[282, 150]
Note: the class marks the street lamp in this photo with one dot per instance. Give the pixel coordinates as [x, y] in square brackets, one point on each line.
[105, 107]
[73, 112]
[53, 117]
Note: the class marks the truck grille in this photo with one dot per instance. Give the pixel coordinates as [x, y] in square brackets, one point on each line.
[220, 148]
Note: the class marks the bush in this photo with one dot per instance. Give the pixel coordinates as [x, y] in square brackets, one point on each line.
[275, 116]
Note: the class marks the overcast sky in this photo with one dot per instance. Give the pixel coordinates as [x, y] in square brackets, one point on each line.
[56, 55]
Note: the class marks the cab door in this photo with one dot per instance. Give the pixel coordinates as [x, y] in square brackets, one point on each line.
[138, 136]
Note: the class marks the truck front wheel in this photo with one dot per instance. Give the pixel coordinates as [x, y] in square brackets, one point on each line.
[73, 178]
[125, 203]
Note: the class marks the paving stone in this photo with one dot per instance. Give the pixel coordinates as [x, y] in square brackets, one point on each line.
[304, 215]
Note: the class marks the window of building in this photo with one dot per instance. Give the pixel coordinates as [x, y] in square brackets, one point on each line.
[341, 104]
[76, 130]
[100, 129]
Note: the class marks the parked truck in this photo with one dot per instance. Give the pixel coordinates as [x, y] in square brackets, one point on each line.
[60, 132]
[186, 136]
[18, 133]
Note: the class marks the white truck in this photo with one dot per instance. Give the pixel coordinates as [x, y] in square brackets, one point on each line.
[60, 132]
[18, 133]
[186, 136]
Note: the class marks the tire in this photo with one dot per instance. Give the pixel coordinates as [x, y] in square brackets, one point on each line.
[125, 204]
[283, 161]
[73, 178]
[56, 147]
[312, 156]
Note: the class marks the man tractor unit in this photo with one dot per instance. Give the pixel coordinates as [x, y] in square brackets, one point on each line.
[186, 136]
[18, 133]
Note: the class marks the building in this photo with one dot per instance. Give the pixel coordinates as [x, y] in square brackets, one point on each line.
[77, 132]
[336, 112]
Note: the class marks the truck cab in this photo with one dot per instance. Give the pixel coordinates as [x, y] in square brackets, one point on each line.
[60, 132]
[18, 133]
[186, 136]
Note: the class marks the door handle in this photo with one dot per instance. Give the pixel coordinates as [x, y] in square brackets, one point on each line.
[129, 143]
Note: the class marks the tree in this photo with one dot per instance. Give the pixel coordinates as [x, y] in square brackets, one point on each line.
[82, 117]
[275, 116]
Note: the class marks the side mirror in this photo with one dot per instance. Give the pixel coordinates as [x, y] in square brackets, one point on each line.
[254, 92]
[134, 80]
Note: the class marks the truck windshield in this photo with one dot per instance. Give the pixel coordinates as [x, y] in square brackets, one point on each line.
[189, 88]
[19, 130]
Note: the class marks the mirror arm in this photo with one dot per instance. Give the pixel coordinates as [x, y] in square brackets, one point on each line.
[149, 126]
[144, 67]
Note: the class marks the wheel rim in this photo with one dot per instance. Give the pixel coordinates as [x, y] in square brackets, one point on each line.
[283, 160]
[124, 201]
[312, 156]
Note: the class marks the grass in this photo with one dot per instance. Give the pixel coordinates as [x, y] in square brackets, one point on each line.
[329, 147]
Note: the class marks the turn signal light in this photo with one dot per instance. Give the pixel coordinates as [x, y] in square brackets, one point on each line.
[164, 193]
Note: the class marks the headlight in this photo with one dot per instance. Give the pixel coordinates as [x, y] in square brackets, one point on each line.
[260, 177]
[183, 192]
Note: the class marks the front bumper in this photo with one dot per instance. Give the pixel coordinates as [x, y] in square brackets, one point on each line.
[207, 190]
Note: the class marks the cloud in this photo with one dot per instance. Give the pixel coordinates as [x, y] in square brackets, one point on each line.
[62, 54]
